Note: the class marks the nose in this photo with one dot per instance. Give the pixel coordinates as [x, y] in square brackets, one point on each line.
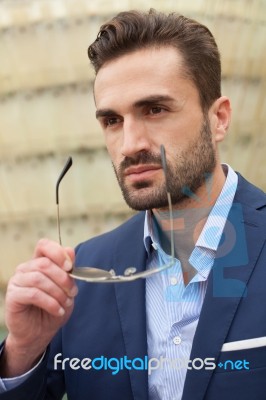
[135, 137]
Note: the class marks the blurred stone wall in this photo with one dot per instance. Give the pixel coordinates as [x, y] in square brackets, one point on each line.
[47, 113]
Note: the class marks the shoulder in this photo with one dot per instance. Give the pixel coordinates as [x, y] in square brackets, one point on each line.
[250, 195]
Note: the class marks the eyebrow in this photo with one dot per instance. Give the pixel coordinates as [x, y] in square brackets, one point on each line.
[105, 112]
[147, 101]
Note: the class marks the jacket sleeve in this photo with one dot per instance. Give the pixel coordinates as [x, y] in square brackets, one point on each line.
[43, 383]
[33, 388]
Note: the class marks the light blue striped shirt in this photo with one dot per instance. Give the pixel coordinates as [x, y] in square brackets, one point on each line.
[172, 308]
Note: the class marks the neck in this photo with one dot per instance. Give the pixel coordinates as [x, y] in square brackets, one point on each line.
[189, 217]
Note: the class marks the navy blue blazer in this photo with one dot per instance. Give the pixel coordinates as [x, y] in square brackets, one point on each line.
[109, 319]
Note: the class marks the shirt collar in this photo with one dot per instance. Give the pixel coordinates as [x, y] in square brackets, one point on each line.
[214, 226]
[212, 231]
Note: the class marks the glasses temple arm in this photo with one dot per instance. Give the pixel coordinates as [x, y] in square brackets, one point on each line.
[63, 173]
[164, 165]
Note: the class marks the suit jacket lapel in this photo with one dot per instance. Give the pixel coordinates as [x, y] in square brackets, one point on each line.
[227, 284]
[131, 305]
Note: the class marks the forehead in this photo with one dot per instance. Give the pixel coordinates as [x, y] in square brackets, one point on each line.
[141, 73]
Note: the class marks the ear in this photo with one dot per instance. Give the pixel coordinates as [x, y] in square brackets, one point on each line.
[220, 117]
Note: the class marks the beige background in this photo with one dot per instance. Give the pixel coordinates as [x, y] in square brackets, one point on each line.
[47, 113]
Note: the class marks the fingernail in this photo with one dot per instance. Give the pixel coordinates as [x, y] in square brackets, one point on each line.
[67, 265]
[73, 291]
[69, 302]
[61, 311]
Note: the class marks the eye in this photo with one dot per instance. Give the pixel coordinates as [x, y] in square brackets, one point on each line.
[110, 121]
[156, 110]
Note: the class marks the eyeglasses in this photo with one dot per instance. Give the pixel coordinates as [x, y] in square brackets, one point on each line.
[92, 274]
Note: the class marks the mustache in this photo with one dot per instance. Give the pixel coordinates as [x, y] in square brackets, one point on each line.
[140, 158]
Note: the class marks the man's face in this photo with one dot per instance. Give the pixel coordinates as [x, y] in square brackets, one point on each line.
[143, 100]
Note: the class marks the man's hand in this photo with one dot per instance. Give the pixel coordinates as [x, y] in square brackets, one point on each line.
[39, 301]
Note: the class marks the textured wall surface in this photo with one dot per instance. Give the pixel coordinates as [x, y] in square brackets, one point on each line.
[47, 113]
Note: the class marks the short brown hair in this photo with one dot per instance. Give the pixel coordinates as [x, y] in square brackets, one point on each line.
[133, 30]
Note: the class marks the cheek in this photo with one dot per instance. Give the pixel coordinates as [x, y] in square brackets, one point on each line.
[114, 153]
[182, 132]
[110, 144]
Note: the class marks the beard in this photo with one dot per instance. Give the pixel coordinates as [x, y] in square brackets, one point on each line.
[191, 168]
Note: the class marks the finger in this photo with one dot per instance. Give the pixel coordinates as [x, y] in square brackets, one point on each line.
[71, 252]
[47, 269]
[55, 252]
[32, 296]
[36, 279]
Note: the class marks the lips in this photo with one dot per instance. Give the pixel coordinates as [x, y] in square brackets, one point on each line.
[141, 171]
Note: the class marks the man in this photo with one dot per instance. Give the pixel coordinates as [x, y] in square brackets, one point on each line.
[196, 330]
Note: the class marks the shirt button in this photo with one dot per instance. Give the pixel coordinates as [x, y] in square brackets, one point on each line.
[177, 340]
[173, 280]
